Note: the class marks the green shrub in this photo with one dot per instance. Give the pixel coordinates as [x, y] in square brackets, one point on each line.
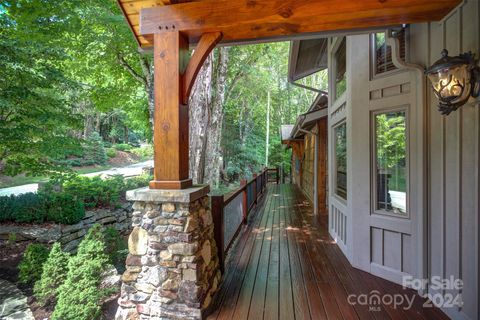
[145, 152]
[122, 147]
[6, 208]
[94, 191]
[53, 276]
[24, 208]
[116, 246]
[111, 152]
[30, 268]
[67, 204]
[107, 144]
[64, 208]
[79, 296]
[137, 182]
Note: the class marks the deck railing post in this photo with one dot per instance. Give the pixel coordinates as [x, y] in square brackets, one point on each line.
[243, 184]
[264, 180]
[255, 188]
[277, 173]
[218, 225]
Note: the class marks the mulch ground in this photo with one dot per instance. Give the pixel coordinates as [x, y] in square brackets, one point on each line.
[123, 158]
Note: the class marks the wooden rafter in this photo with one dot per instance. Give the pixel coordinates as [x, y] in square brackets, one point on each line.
[243, 21]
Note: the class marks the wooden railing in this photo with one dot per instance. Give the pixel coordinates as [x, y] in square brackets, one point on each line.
[231, 211]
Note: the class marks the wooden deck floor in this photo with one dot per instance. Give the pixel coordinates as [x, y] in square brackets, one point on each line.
[285, 266]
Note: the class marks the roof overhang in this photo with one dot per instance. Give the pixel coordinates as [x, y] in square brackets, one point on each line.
[305, 122]
[269, 20]
[307, 57]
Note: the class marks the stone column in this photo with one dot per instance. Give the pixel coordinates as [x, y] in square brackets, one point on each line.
[172, 267]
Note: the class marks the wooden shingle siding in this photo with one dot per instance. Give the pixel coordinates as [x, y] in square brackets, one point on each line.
[309, 167]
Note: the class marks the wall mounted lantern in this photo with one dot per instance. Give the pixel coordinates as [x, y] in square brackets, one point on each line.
[454, 80]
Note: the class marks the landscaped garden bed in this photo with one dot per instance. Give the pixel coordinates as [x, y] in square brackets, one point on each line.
[65, 246]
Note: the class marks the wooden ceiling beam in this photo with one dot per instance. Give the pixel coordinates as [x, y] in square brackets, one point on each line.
[243, 21]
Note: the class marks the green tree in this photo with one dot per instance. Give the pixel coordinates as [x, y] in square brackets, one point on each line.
[30, 268]
[36, 115]
[79, 296]
[53, 275]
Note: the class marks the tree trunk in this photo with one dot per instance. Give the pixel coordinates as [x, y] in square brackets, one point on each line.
[125, 134]
[98, 122]
[214, 129]
[199, 103]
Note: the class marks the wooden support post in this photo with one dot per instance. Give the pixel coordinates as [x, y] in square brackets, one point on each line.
[276, 172]
[243, 183]
[172, 88]
[170, 135]
[218, 227]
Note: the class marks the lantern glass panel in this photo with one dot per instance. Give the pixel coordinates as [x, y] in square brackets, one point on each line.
[451, 84]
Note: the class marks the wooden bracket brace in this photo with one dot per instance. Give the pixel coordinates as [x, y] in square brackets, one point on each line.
[207, 43]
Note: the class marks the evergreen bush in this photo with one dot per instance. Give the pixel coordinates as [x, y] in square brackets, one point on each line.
[79, 297]
[53, 275]
[28, 207]
[6, 208]
[94, 151]
[23, 208]
[64, 208]
[94, 191]
[111, 152]
[145, 152]
[122, 147]
[116, 246]
[67, 204]
[30, 268]
[137, 182]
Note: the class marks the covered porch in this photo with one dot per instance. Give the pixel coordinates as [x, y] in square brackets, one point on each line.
[285, 265]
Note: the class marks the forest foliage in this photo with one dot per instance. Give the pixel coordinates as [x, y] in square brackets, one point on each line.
[71, 72]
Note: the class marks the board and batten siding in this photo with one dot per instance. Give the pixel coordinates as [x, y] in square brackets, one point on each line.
[453, 161]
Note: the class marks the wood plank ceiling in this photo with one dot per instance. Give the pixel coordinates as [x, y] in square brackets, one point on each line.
[243, 21]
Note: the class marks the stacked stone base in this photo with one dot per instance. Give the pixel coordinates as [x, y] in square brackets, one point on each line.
[172, 267]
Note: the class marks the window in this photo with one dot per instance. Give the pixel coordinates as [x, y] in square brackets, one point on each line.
[341, 69]
[382, 53]
[391, 162]
[340, 143]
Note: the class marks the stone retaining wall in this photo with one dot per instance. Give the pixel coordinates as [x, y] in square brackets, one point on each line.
[71, 235]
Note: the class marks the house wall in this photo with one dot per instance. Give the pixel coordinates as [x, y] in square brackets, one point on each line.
[452, 162]
[307, 184]
[440, 235]
[340, 210]
[322, 176]
[303, 165]
[297, 163]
